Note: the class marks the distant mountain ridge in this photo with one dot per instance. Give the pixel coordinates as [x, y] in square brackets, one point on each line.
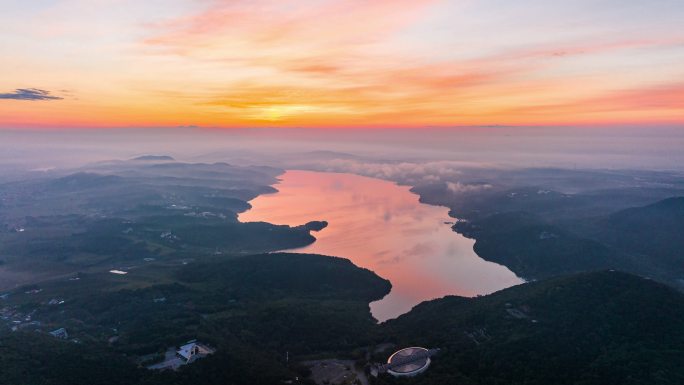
[154, 158]
[655, 231]
[668, 211]
[81, 180]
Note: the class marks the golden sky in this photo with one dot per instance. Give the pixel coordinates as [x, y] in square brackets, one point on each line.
[332, 63]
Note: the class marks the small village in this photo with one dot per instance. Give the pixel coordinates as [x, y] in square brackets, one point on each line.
[17, 318]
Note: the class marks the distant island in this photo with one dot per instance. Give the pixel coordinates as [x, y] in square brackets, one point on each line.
[154, 158]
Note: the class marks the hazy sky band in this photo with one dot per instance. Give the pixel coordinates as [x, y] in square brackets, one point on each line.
[111, 63]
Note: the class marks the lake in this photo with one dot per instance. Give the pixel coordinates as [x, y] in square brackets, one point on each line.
[383, 227]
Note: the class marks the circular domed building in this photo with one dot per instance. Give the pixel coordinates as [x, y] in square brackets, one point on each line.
[409, 361]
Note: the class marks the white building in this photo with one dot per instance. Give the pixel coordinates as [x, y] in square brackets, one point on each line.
[409, 362]
[193, 351]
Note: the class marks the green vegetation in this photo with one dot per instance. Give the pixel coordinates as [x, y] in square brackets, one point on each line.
[542, 223]
[532, 248]
[253, 309]
[118, 214]
[595, 328]
[193, 271]
[35, 359]
[654, 231]
[643, 240]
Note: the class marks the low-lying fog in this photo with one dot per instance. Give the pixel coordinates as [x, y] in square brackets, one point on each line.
[390, 154]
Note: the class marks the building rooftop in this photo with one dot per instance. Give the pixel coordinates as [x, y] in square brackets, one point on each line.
[408, 361]
[60, 333]
[193, 350]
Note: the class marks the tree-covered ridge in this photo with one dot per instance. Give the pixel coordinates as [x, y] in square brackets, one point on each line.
[287, 274]
[594, 328]
[542, 223]
[254, 308]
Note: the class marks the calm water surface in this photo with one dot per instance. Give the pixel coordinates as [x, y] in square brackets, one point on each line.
[382, 226]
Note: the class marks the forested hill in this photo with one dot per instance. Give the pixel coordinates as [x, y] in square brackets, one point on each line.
[654, 233]
[594, 328]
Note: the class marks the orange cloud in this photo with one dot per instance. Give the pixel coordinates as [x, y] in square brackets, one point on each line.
[348, 63]
[659, 101]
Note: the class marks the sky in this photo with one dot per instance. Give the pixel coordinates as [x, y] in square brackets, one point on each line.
[338, 64]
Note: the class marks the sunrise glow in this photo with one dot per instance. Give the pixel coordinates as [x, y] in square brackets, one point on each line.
[332, 63]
